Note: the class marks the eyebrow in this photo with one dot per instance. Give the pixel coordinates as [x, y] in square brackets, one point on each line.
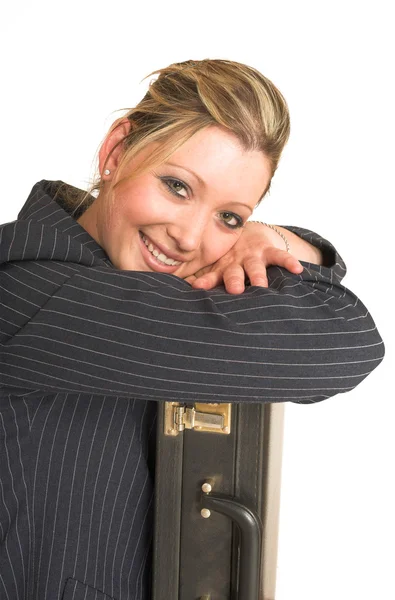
[200, 180]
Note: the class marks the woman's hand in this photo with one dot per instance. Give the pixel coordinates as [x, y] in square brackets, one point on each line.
[256, 249]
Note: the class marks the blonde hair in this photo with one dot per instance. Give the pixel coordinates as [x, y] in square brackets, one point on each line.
[189, 96]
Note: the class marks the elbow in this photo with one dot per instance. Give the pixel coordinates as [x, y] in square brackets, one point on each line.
[346, 365]
[366, 355]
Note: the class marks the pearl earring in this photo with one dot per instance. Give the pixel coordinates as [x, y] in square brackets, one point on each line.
[107, 172]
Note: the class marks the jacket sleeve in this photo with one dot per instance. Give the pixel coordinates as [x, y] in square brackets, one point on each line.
[74, 328]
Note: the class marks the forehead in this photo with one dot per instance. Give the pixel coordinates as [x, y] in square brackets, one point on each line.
[222, 166]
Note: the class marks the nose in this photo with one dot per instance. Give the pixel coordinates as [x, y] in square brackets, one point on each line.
[188, 232]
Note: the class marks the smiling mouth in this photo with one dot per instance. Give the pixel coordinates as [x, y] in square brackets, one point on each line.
[158, 254]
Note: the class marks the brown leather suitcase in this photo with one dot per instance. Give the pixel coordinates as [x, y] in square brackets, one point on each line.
[217, 491]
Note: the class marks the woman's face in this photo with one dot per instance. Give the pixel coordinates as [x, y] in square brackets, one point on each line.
[184, 214]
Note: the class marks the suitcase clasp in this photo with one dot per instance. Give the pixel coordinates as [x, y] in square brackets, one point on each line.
[214, 417]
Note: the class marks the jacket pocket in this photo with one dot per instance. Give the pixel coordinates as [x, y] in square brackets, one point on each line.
[76, 590]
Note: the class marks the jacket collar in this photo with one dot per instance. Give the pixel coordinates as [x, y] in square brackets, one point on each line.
[50, 231]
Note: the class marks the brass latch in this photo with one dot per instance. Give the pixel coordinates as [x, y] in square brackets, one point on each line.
[214, 417]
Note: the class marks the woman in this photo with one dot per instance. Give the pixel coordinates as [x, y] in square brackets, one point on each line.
[109, 307]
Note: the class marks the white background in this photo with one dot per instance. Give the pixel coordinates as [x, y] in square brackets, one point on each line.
[67, 66]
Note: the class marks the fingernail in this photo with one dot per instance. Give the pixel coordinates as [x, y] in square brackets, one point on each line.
[237, 289]
[261, 283]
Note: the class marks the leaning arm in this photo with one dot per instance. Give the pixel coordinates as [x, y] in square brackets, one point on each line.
[151, 336]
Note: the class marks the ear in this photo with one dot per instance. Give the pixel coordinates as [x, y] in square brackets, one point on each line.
[112, 149]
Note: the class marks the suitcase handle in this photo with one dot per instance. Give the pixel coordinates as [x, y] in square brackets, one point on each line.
[250, 541]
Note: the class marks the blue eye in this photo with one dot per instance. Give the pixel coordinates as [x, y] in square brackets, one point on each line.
[231, 220]
[175, 186]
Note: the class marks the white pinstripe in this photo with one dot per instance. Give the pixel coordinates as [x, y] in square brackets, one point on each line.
[27, 237]
[9, 322]
[95, 487]
[140, 576]
[6, 537]
[68, 248]
[12, 241]
[130, 526]
[27, 412]
[71, 493]
[34, 488]
[19, 298]
[15, 496]
[34, 212]
[36, 411]
[115, 502]
[26, 494]
[84, 486]
[203, 343]
[224, 360]
[141, 530]
[46, 493]
[57, 495]
[61, 220]
[166, 394]
[24, 284]
[172, 309]
[41, 241]
[39, 265]
[54, 245]
[200, 371]
[105, 496]
[48, 215]
[199, 383]
[4, 587]
[138, 539]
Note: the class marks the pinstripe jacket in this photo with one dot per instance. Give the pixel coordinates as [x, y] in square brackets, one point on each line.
[87, 351]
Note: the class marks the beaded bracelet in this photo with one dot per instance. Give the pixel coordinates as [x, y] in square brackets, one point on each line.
[274, 229]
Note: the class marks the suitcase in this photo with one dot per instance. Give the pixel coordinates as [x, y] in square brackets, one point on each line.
[217, 492]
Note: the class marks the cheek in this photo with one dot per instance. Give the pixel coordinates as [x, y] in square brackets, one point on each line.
[216, 246]
[124, 213]
[140, 205]
[112, 226]
[220, 245]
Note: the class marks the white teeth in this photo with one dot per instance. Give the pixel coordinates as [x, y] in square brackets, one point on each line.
[159, 255]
